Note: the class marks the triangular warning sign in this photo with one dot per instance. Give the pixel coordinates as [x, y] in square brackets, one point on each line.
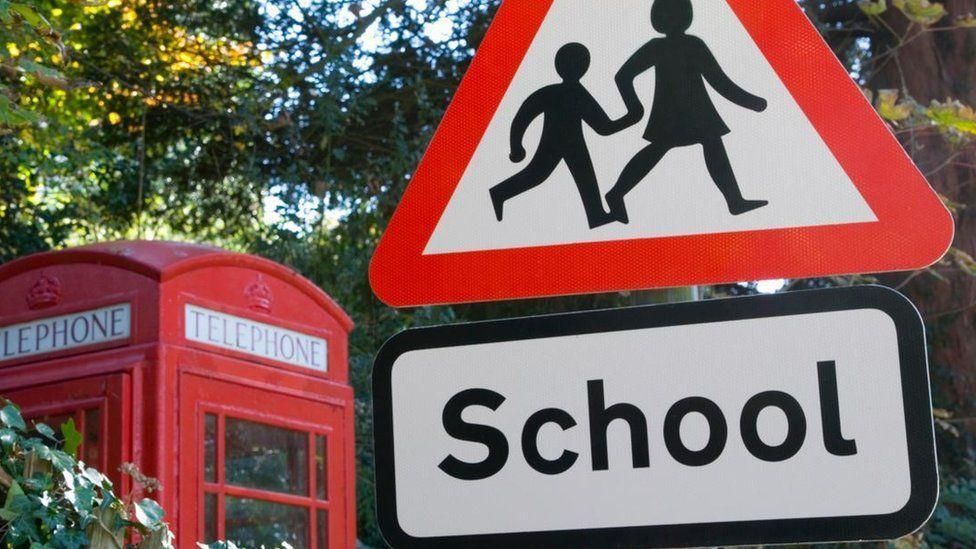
[601, 146]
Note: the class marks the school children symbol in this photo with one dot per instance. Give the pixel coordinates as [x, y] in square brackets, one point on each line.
[682, 115]
[602, 146]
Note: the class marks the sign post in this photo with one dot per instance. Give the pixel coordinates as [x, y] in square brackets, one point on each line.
[792, 418]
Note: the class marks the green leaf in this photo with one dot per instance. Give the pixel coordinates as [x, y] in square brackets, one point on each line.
[12, 115]
[94, 477]
[149, 513]
[45, 430]
[29, 14]
[8, 512]
[39, 69]
[10, 415]
[8, 438]
[72, 438]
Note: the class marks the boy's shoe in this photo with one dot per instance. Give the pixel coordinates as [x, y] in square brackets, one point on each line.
[498, 204]
[746, 206]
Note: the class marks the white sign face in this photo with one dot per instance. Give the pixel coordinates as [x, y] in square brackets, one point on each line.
[250, 337]
[795, 418]
[59, 333]
[796, 172]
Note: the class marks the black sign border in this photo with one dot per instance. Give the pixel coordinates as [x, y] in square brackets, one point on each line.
[915, 391]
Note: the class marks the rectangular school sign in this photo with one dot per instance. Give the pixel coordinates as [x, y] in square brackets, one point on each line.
[802, 417]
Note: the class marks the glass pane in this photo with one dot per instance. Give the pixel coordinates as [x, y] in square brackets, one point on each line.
[210, 448]
[265, 457]
[209, 518]
[93, 437]
[321, 471]
[322, 525]
[253, 523]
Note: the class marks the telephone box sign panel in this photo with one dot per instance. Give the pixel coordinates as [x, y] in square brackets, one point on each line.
[59, 333]
[793, 418]
[254, 338]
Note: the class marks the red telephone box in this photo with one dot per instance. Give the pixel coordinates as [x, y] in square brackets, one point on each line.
[225, 376]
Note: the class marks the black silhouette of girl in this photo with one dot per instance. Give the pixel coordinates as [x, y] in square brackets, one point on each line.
[683, 113]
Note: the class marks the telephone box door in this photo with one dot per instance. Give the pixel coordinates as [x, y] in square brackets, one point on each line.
[98, 406]
[270, 466]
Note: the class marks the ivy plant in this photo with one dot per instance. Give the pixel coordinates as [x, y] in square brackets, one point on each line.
[52, 500]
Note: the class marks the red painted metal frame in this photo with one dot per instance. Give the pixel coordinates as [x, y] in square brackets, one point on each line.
[914, 228]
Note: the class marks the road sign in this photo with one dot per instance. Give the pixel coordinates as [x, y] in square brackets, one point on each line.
[802, 417]
[598, 146]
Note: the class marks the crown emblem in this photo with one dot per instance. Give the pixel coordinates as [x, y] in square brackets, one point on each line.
[46, 292]
[259, 296]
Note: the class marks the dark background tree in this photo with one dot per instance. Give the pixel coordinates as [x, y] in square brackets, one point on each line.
[289, 128]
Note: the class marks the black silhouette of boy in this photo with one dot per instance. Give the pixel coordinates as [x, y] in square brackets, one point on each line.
[683, 113]
[565, 106]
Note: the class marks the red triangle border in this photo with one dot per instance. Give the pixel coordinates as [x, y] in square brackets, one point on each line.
[914, 229]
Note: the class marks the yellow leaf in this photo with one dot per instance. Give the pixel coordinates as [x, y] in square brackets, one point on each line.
[870, 7]
[968, 20]
[941, 413]
[924, 12]
[953, 116]
[890, 109]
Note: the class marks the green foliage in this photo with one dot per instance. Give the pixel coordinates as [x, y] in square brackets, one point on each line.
[953, 524]
[51, 500]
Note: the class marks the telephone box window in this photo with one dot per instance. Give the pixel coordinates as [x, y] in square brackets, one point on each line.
[265, 457]
[321, 476]
[264, 484]
[210, 518]
[256, 523]
[210, 448]
[93, 440]
[322, 524]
